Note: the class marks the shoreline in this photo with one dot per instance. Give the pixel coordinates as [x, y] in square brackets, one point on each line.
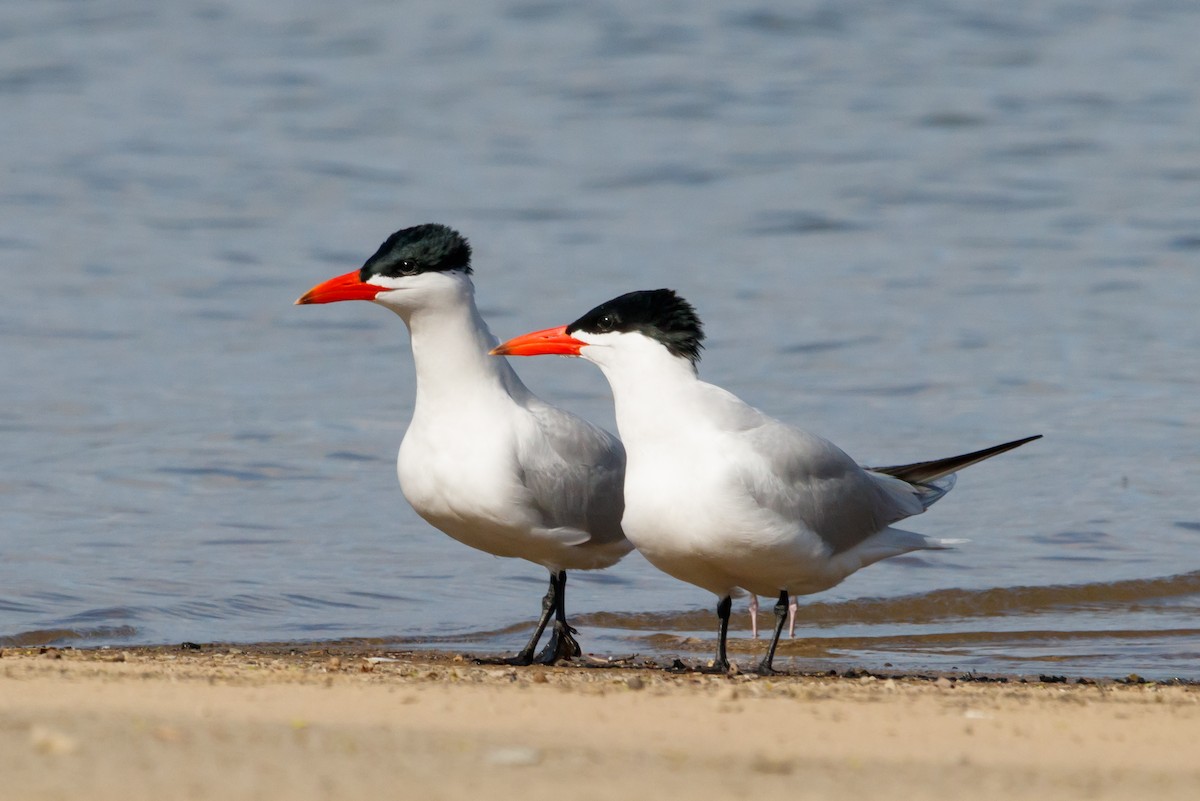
[371, 651]
[316, 721]
[389, 649]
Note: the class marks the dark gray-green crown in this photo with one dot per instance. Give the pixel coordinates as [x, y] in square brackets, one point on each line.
[429, 248]
[657, 313]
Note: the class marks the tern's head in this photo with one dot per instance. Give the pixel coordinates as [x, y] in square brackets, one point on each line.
[412, 268]
[637, 322]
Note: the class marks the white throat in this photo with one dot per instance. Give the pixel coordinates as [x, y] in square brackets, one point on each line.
[450, 344]
[650, 385]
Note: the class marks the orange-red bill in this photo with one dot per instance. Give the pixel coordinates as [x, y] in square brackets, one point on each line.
[553, 341]
[344, 287]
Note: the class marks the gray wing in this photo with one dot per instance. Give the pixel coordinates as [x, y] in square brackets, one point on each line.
[807, 479]
[822, 487]
[575, 473]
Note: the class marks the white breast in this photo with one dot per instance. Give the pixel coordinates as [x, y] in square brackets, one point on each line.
[461, 476]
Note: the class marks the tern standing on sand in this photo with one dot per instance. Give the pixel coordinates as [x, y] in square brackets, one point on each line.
[722, 496]
[484, 459]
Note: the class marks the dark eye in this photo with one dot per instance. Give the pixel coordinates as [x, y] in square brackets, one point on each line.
[607, 322]
[408, 267]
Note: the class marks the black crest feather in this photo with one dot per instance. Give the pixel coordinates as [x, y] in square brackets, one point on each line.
[428, 248]
[657, 313]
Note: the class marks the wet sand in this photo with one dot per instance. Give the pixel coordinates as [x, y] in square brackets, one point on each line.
[301, 722]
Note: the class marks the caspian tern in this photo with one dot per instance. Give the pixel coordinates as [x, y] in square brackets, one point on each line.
[484, 459]
[722, 496]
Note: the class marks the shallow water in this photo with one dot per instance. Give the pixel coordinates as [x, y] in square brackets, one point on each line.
[916, 230]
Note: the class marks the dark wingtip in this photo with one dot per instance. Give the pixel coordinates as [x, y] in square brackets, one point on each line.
[924, 472]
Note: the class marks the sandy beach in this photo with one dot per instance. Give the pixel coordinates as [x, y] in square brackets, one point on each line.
[317, 722]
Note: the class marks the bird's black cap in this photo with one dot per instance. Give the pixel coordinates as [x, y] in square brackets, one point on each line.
[428, 248]
[657, 313]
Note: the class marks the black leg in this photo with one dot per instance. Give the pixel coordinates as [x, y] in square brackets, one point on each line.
[781, 611]
[525, 655]
[562, 645]
[721, 663]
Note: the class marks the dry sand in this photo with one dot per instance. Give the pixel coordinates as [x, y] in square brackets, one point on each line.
[300, 723]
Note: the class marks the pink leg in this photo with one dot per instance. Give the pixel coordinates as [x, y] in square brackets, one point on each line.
[792, 607]
[753, 609]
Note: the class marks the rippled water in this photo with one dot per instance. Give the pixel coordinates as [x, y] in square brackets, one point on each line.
[916, 229]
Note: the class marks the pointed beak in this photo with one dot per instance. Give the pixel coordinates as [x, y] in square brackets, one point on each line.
[344, 287]
[550, 341]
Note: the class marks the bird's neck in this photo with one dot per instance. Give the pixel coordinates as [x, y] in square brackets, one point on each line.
[653, 394]
[450, 344]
